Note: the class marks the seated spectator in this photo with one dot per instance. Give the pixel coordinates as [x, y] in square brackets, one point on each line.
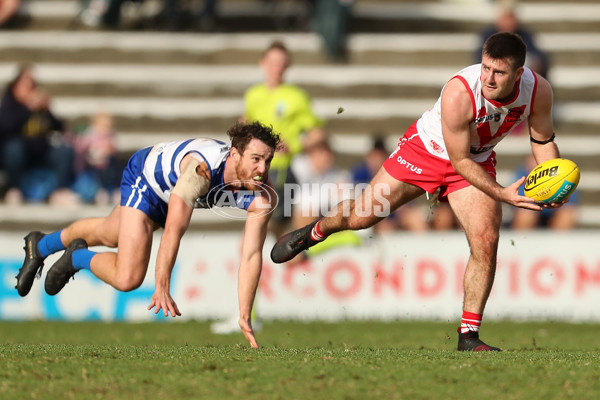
[409, 217]
[507, 21]
[562, 218]
[322, 185]
[97, 164]
[34, 152]
[313, 169]
[205, 18]
[110, 14]
[8, 9]
[364, 171]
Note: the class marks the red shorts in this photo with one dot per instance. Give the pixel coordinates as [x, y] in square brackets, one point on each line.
[412, 163]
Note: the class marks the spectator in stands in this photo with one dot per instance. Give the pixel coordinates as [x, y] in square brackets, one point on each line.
[507, 21]
[331, 22]
[205, 19]
[313, 169]
[288, 109]
[321, 185]
[562, 218]
[170, 14]
[34, 152]
[97, 163]
[111, 18]
[411, 216]
[8, 9]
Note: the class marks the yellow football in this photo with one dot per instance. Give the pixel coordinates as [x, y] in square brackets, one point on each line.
[552, 181]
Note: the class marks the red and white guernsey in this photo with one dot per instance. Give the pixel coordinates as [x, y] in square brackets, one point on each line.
[492, 121]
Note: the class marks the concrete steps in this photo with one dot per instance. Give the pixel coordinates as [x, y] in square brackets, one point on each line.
[197, 79]
[164, 86]
[367, 16]
[446, 49]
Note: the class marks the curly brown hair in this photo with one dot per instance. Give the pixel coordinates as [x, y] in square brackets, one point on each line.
[242, 133]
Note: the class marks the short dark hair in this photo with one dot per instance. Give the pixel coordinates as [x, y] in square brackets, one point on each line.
[277, 45]
[505, 45]
[242, 133]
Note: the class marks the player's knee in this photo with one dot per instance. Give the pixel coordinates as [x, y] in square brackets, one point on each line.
[127, 285]
[126, 282]
[485, 245]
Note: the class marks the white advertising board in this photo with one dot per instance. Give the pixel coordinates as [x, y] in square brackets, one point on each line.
[540, 275]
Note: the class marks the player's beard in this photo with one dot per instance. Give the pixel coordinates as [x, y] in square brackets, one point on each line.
[247, 181]
[250, 184]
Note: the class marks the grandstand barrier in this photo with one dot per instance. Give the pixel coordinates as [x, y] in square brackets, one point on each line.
[540, 275]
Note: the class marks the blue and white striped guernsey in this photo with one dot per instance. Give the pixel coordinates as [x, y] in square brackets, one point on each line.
[162, 169]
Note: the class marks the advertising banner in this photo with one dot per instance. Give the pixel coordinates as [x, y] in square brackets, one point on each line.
[540, 275]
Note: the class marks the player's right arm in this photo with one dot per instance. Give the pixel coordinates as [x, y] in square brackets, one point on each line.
[192, 183]
[457, 113]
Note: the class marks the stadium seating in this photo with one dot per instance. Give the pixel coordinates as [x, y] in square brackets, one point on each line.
[164, 85]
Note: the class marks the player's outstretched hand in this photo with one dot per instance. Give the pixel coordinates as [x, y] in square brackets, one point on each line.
[511, 195]
[556, 205]
[246, 327]
[163, 301]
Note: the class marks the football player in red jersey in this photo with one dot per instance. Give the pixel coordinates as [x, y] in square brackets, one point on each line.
[450, 149]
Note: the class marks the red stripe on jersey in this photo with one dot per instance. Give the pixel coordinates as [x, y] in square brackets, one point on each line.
[464, 81]
[484, 131]
[535, 79]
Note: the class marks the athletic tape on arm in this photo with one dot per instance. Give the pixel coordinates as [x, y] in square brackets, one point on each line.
[190, 186]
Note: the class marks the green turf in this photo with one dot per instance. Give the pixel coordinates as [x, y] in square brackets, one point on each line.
[350, 360]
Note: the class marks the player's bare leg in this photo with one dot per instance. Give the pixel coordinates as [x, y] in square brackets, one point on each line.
[480, 216]
[128, 228]
[126, 269]
[383, 195]
[102, 231]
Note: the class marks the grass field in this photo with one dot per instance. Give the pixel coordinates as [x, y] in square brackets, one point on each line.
[349, 360]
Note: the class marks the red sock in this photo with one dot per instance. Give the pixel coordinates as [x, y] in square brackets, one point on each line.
[316, 233]
[470, 322]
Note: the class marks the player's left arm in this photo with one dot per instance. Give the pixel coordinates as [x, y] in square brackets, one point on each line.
[255, 233]
[541, 127]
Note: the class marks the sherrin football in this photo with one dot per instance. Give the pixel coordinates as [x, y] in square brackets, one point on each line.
[552, 181]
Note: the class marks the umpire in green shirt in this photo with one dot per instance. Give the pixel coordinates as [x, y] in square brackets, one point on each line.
[288, 109]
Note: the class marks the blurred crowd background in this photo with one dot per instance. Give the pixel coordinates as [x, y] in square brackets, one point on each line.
[86, 83]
